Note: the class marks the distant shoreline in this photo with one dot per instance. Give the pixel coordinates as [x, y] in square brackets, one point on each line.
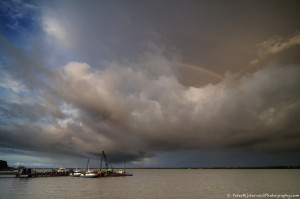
[266, 167]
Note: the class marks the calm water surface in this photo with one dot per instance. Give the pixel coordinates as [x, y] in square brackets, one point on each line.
[157, 183]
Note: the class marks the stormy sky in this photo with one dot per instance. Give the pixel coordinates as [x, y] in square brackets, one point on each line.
[156, 83]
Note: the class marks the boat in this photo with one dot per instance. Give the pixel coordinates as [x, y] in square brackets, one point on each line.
[61, 170]
[112, 173]
[88, 173]
[24, 173]
[75, 173]
[124, 173]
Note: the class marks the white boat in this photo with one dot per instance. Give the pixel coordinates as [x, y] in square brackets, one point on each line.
[61, 169]
[75, 173]
[88, 173]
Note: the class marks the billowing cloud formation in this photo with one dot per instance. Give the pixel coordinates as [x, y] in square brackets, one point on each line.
[134, 110]
[137, 110]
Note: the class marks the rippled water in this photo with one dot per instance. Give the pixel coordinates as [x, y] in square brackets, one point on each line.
[157, 183]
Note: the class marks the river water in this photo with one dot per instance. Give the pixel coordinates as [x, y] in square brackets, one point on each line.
[161, 183]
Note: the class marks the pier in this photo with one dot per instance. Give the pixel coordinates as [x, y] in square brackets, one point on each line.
[29, 173]
[50, 174]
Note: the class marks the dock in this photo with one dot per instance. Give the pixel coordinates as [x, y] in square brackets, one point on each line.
[29, 173]
[50, 174]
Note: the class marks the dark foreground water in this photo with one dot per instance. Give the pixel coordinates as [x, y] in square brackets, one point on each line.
[161, 183]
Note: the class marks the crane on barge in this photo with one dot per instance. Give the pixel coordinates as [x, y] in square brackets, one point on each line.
[109, 168]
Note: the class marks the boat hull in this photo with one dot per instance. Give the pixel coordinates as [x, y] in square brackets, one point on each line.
[75, 174]
[89, 175]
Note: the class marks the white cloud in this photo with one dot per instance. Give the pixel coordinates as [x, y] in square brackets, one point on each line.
[9, 83]
[55, 30]
[277, 44]
[158, 113]
[136, 110]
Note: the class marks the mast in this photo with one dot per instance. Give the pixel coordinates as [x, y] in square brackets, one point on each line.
[105, 159]
[125, 166]
[87, 165]
[101, 160]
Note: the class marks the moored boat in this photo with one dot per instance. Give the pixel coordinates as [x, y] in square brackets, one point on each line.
[62, 169]
[88, 173]
[75, 173]
[24, 173]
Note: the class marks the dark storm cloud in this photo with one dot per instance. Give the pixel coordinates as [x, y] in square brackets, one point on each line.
[215, 34]
[130, 100]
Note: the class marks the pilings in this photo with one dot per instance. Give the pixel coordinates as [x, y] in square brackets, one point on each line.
[50, 174]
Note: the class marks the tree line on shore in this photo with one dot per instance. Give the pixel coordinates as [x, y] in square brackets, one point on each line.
[4, 166]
